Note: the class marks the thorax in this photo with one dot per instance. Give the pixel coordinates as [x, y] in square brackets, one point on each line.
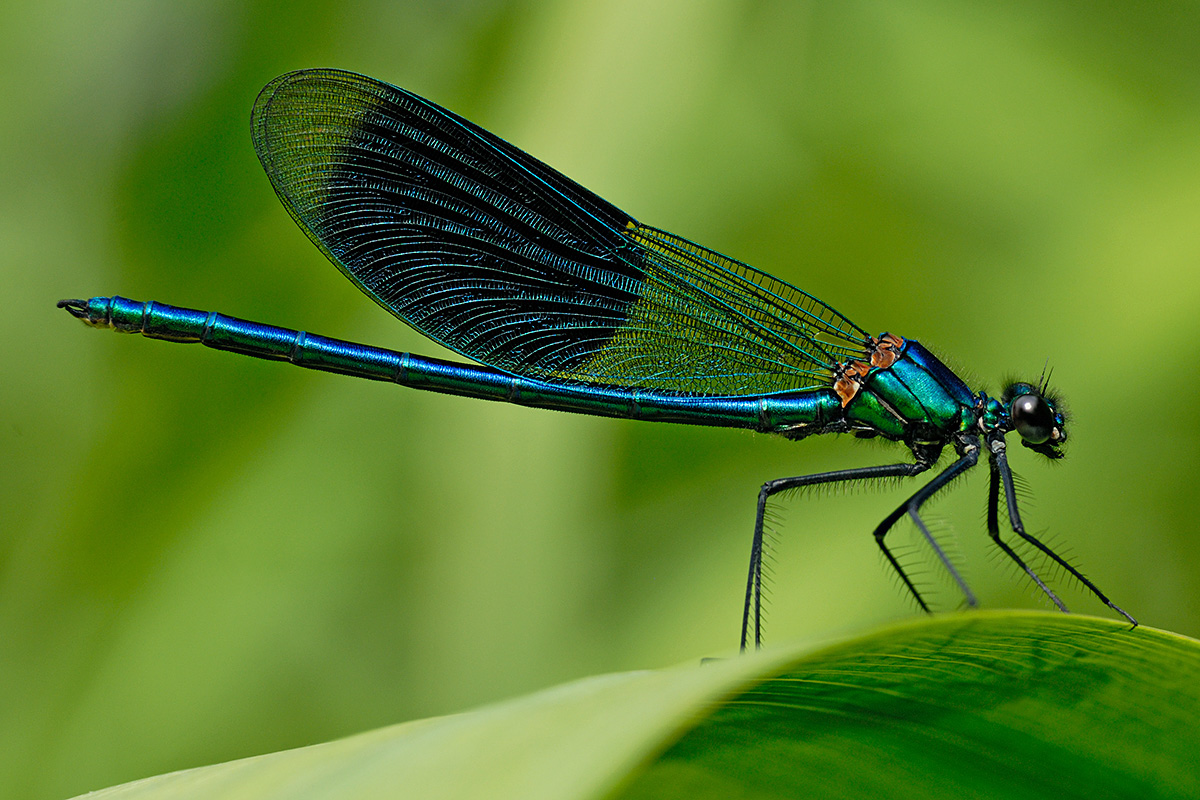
[901, 391]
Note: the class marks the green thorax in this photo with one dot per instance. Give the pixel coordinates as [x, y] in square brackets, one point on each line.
[903, 392]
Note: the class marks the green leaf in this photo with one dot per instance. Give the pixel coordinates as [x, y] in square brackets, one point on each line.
[972, 705]
[966, 705]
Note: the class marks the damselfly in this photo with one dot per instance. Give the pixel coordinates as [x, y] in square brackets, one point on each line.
[571, 304]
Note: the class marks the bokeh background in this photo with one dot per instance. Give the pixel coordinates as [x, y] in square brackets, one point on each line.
[204, 556]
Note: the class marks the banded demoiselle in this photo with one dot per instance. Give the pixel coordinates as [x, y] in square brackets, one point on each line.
[569, 303]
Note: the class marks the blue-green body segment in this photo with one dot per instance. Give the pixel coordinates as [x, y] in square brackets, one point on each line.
[917, 396]
[773, 414]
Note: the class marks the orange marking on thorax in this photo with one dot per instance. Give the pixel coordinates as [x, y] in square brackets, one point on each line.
[849, 379]
[886, 351]
[881, 354]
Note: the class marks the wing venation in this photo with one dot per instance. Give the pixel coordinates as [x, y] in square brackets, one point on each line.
[487, 250]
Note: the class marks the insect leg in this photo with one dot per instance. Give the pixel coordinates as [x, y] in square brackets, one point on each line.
[912, 506]
[754, 581]
[993, 519]
[1000, 461]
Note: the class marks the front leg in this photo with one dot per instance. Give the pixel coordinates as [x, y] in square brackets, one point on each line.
[754, 581]
[1000, 465]
[996, 446]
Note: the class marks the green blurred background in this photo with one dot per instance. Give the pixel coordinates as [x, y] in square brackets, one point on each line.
[204, 556]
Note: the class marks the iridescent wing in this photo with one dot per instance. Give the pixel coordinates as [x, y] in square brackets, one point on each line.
[490, 252]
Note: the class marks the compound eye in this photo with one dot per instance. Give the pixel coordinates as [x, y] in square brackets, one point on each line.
[1032, 417]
